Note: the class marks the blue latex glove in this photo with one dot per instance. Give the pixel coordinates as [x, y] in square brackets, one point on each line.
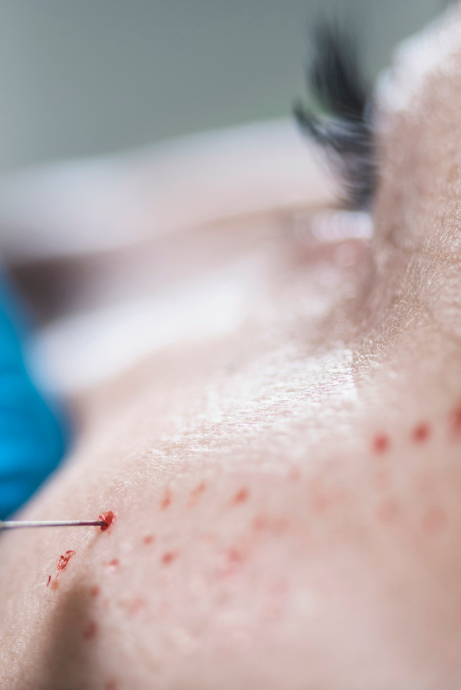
[32, 438]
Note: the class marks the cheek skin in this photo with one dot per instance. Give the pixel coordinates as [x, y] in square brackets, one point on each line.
[277, 575]
[274, 569]
[289, 521]
[285, 576]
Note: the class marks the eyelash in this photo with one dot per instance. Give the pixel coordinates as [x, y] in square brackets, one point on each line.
[346, 133]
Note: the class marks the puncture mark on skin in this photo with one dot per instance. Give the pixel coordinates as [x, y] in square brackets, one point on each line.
[232, 559]
[64, 560]
[196, 493]
[133, 606]
[61, 565]
[241, 496]
[421, 433]
[108, 518]
[112, 565]
[168, 557]
[381, 443]
[166, 500]
[455, 422]
[89, 631]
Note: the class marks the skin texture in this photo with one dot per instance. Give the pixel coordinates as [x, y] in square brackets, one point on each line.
[286, 495]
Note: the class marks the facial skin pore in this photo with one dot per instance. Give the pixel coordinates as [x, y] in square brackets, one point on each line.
[286, 496]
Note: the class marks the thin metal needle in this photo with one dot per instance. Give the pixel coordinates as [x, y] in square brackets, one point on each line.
[16, 524]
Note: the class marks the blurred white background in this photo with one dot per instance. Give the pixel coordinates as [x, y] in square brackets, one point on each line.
[85, 77]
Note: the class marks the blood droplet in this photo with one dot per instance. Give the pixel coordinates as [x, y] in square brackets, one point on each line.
[455, 422]
[241, 496]
[198, 489]
[89, 631]
[232, 558]
[381, 443]
[107, 518]
[166, 500]
[64, 560]
[421, 433]
[49, 580]
[168, 557]
[196, 493]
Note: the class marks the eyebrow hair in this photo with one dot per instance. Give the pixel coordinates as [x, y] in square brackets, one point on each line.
[345, 132]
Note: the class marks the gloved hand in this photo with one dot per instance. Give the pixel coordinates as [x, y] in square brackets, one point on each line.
[32, 437]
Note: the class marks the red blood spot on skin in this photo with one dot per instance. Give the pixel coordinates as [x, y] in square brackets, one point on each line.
[434, 521]
[64, 560]
[54, 584]
[133, 606]
[196, 493]
[455, 422]
[49, 580]
[421, 433]
[95, 591]
[149, 539]
[234, 556]
[241, 496]
[114, 564]
[380, 444]
[166, 500]
[198, 490]
[108, 518]
[388, 512]
[231, 560]
[168, 557]
[89, 631]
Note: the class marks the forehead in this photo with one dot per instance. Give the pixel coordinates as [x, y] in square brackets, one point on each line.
[435, 50]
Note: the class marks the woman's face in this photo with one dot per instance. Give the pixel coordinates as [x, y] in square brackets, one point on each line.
[286, 495]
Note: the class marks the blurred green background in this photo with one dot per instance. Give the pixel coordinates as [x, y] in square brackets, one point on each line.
[84, 77]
